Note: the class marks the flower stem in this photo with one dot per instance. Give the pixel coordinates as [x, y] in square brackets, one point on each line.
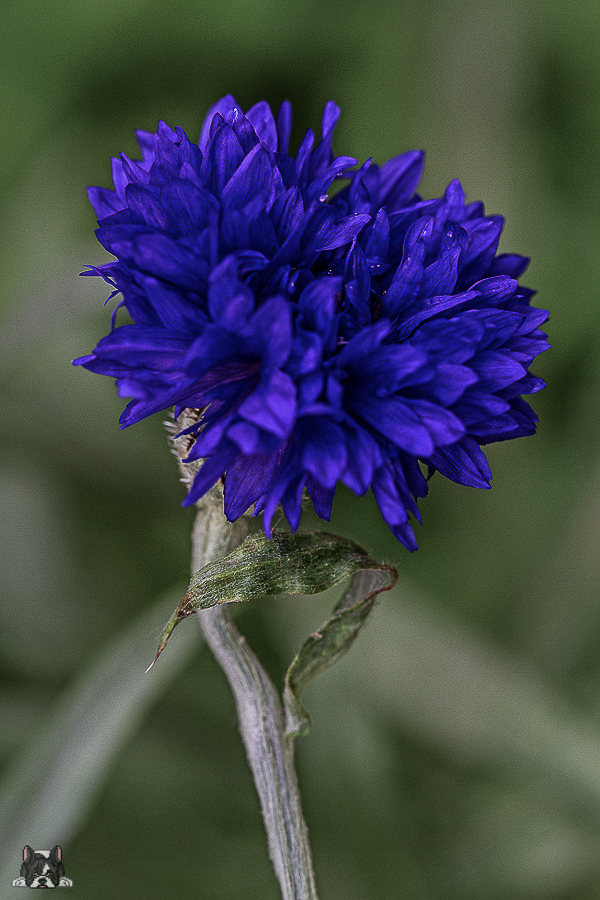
[260, 716]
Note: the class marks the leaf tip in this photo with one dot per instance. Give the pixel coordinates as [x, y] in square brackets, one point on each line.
[158, 652]
[166, 634]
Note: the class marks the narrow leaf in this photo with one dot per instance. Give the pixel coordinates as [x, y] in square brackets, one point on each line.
[335, 636]
[303, 563]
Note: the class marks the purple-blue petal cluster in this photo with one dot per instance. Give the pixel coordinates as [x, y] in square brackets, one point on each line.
[365, 338]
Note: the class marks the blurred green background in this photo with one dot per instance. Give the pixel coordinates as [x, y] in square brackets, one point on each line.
[455, 753]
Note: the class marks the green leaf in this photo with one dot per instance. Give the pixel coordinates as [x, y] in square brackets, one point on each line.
[303, 563]
[335, 636]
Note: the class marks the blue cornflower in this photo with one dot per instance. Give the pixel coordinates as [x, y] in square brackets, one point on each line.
[363, 339]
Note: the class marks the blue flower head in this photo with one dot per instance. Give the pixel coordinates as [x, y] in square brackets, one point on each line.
[365, 338]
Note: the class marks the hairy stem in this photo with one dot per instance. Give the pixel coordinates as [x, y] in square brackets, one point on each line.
[260, 716]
